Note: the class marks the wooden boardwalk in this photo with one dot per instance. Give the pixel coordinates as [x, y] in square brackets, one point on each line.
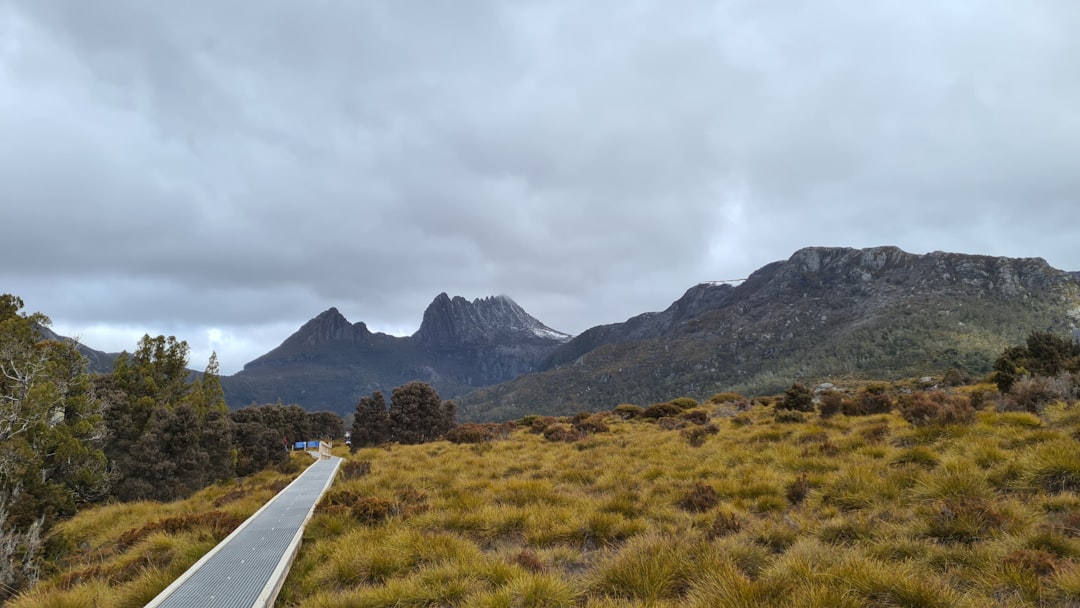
[247, 569]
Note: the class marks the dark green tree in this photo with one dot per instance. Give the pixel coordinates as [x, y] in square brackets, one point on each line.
[170, 433]
[1043, 354]
[257, 447]
[371, 422]
[417, 414]
[51, 432]
[326, 425]
[797, 397]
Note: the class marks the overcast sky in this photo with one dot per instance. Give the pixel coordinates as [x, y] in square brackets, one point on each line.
[223, 171]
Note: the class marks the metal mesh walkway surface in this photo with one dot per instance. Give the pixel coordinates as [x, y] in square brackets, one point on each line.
[248, 568]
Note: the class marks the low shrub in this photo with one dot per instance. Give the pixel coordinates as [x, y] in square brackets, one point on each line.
[798, 398]
[371, 510]
[797, 490]
[541, 423]
[830, 403]
[696, 436]
[1034, 394]
[724, 524]
[937, 407]
[669, 423]
[473, 432]
[699, 499]
[696, 416]
[719, 398]
[627, 411]
[789, 416]
[592, 424]
[872, 399]
[661, 410]
[684, 403]
[560, 431]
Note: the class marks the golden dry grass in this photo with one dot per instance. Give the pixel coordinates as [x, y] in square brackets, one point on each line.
[838, 512]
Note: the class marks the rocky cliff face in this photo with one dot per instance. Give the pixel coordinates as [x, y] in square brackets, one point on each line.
[456, 323]
[822, 313]
[330, 363]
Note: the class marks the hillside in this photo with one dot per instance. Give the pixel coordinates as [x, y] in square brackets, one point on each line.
[329, 363]
[825, 313]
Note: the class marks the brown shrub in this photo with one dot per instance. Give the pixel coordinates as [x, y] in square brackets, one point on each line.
[372, 510]
[529, 561]
[560, 431]
[699, 499]
[592, 424]
[830, 403]
[723, 525]
[474, 432]
[411, 502]
[797, 490]
[541, 423]
[670, 424]
[696, 435]
[937, 407]
[627, 411]
[1033, 394]
[696, 416]
[726, 398]
[873, 399]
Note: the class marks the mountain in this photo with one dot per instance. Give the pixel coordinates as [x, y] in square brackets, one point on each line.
[97, 362]
[329, 363]
[823, 313]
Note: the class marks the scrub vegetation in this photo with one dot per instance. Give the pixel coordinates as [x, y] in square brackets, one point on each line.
[918, 493]
[907, 508]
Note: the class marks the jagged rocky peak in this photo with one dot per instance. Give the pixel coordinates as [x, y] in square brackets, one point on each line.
[329, 326]
[495, 319]
[832, 266]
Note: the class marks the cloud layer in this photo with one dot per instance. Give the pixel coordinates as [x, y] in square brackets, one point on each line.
[224, 171]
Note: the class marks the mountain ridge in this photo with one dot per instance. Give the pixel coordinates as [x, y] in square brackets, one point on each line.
[824, 312]
[328, 363]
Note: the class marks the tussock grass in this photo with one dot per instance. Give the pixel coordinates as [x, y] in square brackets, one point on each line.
[839, 512]
[122, 555]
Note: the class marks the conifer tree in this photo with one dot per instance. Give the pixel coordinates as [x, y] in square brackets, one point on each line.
[417, 414]
[371, 422]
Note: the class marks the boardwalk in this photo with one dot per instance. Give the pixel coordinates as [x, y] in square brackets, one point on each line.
[247, 569]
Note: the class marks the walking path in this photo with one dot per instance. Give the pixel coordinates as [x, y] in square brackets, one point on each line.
[247, 569]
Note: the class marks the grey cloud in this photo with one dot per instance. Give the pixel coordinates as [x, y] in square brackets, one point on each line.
[248, 164]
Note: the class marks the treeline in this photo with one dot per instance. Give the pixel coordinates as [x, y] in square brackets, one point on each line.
[150, 430]
[416, 415]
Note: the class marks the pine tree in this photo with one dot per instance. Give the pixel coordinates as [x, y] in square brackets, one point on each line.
[371, 422]
[416, 414]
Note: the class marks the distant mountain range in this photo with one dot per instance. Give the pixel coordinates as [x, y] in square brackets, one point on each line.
[825, 313]
[330, 363]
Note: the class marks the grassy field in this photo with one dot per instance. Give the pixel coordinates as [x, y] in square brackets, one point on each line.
[122, 555]
[717, 506]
